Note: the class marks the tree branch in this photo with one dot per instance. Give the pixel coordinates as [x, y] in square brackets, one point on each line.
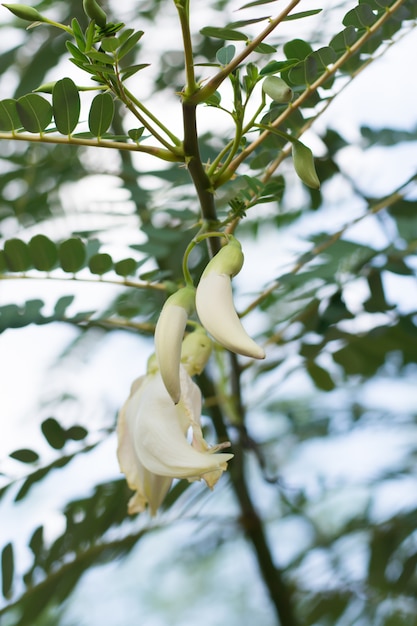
[250, 520]
[198, 174]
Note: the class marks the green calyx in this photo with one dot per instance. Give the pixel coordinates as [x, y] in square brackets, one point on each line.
[228, 261]
[184, 297]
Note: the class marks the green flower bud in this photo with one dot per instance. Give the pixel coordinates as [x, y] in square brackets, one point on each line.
[25, 12]
[46, 87]
[94, 11]
[304, 164]
[195, 351]
[277, 89]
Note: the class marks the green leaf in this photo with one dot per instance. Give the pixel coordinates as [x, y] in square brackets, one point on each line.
[101, 114]
[273, 67]
[9, 118]
[225, 54]
[126, 267]
[132, 69]
[325, 56]
[25, 455]
[34, 112]
[101, 57]
[76, 53]
[100, 263]
[344, 40]
[136, 133]
[36, 542]
[72, 255]
[62, 305]
[66, 105]
[228, 34]
[43, 252]
[361, 17]
[305, 73]
[76, 433]
[78, 34]
[128, 44]
[110, 44]
[17, 255]
[265, 48]
[256, 3]
[241, 23]
[320, 376]
[7, 570]
[53, 433]
[301, 14]
[297, 49]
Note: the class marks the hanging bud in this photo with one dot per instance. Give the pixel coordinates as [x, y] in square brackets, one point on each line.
[277, 89]
[195, 351]
[214, 302]
[25, 13]
[304, 164]
[169, 333]
[94, 11]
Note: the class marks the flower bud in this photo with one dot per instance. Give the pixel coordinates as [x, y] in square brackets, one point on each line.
[169, 333]
[94, 11]
[304, 164]
[277, 89]
[214, 302]
[195, 351]
[25, 12]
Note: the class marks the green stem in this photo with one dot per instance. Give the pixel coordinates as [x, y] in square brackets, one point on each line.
[216, 81]
[161, 153]
[103, 281]
[176, 141]
[329, 72]
[183, 8]
[232, 147]
[197, 172]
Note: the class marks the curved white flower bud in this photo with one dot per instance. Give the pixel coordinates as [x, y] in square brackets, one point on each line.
[214, 302]
[169, 333]
[153, 447]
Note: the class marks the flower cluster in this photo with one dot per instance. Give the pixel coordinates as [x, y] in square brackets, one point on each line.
[164, 406]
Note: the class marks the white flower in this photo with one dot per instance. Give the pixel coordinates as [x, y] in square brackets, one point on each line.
[153, 447]
[169, 333]
[214, 302]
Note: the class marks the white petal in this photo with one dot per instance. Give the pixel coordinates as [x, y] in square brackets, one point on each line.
[150, 488]
[169, 333]
[215, 308]
[159, 439]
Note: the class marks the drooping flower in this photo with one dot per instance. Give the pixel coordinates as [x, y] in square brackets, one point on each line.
[153, 446]
[169, 333]
[214, 302]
